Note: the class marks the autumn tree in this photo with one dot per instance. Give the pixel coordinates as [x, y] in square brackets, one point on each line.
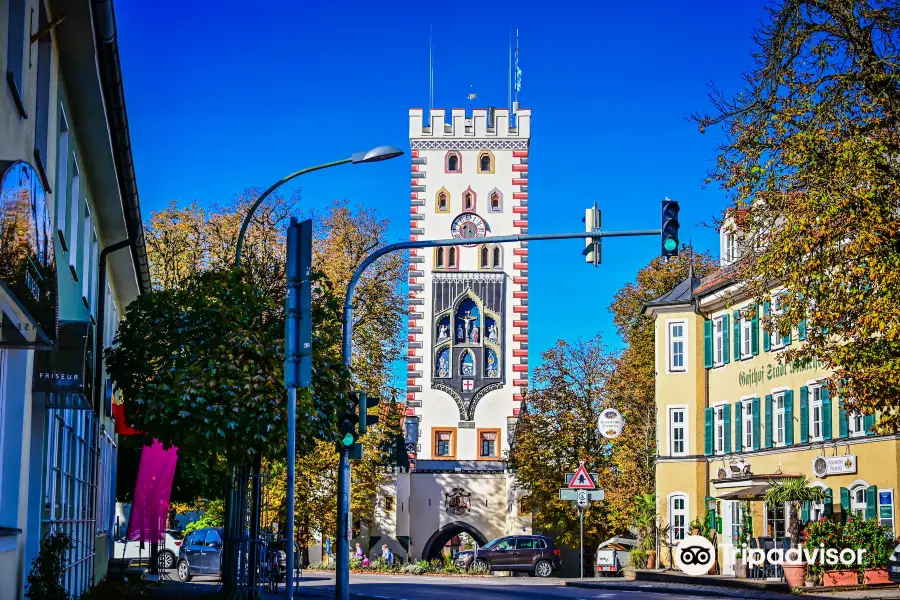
[557, 428]
[631, 388]
[812, 146]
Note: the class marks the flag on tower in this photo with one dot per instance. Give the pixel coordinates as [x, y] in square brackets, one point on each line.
[518, 70]
[472, 96]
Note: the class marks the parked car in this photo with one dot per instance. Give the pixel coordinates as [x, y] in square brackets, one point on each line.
[201, 553]
[131, 551]
[534, 554]
[894, 565]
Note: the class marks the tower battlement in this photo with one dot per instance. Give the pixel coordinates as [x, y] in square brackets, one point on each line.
[479, 125]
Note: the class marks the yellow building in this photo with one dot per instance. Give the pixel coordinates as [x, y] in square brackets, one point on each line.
[731, 417]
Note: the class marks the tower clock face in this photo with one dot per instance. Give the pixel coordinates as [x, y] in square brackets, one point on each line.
[468, 226]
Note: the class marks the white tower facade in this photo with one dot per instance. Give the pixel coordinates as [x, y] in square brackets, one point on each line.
[468, 334]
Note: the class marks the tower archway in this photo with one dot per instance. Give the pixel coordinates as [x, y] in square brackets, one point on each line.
[439, 538]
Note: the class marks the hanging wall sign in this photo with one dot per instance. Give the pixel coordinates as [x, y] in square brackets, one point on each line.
[611, 423]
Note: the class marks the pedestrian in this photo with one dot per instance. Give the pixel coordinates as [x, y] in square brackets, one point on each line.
[359, 551]
[366, 562]
[387, 555]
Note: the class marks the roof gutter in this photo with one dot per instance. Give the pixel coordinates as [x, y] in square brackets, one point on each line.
[117, 119]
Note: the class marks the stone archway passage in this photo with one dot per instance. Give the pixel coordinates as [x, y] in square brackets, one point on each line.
[439, 538]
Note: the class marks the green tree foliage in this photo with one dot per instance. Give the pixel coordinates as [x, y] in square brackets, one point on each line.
[557, 428]
[632, 386]
[813, 145]
[45, 578]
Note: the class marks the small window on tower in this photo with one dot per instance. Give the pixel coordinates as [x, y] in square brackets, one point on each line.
[469, 200]
[442, 202]
[451, 258]
[495, 201]
[483, 259]
[497, 257]
[439, 258]
[485, 162]
[453, 165]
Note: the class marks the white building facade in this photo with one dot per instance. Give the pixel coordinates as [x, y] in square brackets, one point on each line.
[468, 333]
[66, 193]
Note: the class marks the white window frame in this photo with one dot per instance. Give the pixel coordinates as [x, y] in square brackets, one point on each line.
[746, 337]
[779, 394]
[87, 243]
[817, 509]
[719, 420]
[776, 340]
[670, 346]
[719, 341]
[730, 247]
[62, 175]
[856, 424]
[856, 507]
[747, 423]
[814, 401]
[683, 426]
[74, 215]
[683, 512]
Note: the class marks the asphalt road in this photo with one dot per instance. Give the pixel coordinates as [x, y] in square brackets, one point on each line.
[398, 587]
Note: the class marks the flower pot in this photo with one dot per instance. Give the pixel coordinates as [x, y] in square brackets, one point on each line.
[875, 576]
[741, 569]
[651, 559]
[794, 573]
[629, 574]
[838, 578]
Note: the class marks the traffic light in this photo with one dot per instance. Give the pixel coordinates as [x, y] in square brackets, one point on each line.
[669, 228]
[347, 423]
[363, 403]
[591, 245]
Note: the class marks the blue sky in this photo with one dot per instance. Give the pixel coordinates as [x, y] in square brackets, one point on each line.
[228, 95]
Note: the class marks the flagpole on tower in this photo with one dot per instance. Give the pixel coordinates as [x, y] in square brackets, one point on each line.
[430, 72]
[509, 75]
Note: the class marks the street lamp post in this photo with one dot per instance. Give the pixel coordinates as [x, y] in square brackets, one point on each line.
[376, 154]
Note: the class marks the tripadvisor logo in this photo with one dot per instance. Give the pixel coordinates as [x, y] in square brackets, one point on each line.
[755, 557]
[695, 555]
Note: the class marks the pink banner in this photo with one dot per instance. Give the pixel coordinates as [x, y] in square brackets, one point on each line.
[150, 508]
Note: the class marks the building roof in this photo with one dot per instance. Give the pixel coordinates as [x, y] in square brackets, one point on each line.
[680, 294]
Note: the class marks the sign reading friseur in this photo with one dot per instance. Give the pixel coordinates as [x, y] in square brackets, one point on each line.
[757, 376]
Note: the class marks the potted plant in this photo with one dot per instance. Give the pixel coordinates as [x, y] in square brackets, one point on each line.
[645, 523]
[827, 534]
[794, 492]
[877, 541]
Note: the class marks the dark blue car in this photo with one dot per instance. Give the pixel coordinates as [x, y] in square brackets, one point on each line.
[201, 554]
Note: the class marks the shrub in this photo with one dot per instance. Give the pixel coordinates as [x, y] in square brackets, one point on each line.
[873, 537]
[318, 566]
[825, 534]
[638, 558]
[356, 562]
[45, 578]
[416, 568]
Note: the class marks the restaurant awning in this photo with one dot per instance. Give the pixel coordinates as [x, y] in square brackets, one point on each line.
[754, 492]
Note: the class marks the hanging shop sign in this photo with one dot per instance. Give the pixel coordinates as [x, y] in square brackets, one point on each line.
[66, 373]
[834, 465]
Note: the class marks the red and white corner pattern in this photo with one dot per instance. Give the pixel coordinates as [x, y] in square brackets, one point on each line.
[520, 279]
[415, 227]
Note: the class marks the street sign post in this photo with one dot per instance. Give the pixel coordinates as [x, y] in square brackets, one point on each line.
[581, 498]
[594, 477]
[581, 479]
[572, 495]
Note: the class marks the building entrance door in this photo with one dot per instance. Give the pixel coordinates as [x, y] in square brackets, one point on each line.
[731, 527]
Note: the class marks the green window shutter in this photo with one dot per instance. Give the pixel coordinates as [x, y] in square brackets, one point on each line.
[786, 340]
[869, 424]
[826, 414]
[804, 512]
[767, 343]
[843, 420]
[789, 418]
[754, 331]
[756, 423]
[708, 431]
[707, 344]
[726, 413]
[801, 330]
[829, 502]
[736, 331]
[768, 420]
[726, 333]
[804, 414]
[871, 502]
[845, 503]
[738, 426]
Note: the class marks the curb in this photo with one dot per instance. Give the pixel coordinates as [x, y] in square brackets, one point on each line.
[658, 588]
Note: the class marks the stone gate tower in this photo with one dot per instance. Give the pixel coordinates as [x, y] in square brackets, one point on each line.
[468, 331]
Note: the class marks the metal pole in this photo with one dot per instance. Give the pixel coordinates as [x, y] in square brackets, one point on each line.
[581, 537]
[289, 517]
[342, 575]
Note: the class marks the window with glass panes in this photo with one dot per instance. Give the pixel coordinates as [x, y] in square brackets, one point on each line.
[748, 425]
[815, 412]
[679, 515]
[488, 443]
[442, 440]
[719, 423]
[676, 346]
[677, 431]
[778, 434]
[719, 336]
[746, 337]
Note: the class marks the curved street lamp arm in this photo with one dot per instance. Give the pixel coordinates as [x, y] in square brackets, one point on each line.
[265, 194]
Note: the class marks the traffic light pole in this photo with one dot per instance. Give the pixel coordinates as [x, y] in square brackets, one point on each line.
[342, 574]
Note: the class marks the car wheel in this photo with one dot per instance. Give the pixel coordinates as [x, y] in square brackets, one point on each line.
[543, 569]
[166, 560]
[184, 571]
[481, 566]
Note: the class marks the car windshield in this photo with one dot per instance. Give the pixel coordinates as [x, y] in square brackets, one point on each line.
[492, 543]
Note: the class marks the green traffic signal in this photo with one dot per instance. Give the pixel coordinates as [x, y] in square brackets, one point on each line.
[669, 228]
[670, 245]
[348, 440]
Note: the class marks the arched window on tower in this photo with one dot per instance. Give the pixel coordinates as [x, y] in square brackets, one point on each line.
[484, 257]
[485, 162]
[495, 202]
[439, 258]
[469, 201]
[453, 165]
[451, 257]
[442, 201]
[498, 259]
